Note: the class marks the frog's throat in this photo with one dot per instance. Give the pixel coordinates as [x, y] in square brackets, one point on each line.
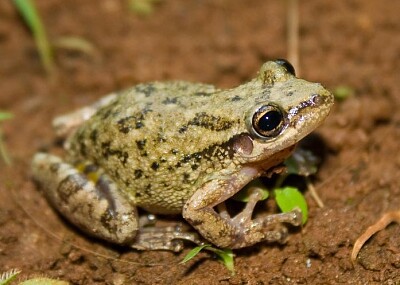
[266, 165]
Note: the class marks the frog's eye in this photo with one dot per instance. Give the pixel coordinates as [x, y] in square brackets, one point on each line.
[287, 65]
[268, 121]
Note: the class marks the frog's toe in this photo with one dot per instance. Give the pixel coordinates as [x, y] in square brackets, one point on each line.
[87, 198]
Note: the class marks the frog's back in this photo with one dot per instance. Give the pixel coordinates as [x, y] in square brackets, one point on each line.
[156, 140]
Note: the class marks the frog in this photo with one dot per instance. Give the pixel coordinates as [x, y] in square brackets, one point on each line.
[181, 148]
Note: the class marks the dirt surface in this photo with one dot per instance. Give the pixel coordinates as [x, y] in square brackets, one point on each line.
[354, 43]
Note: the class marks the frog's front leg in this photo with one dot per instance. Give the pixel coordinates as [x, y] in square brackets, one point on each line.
[239, 231]
[92, 201]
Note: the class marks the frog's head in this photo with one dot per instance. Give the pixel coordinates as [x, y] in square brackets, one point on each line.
[285, 110]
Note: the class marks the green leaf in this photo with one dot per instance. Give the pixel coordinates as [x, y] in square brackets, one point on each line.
[194, 252]
[29, 13]
[7, 277]
[226, 256]
[343, 92]
[243, 195]
[5, 116]
[142, 7]
[75, 44]
[44, 281]
[289, 198]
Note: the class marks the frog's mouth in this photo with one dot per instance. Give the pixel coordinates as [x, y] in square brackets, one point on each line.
[266, 167]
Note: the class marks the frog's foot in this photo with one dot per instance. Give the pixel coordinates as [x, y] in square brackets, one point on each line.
[241, 230]
[87, 197]
[165, 238]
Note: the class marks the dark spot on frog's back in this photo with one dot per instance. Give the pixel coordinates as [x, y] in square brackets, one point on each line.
[168, 100]
[135, 121]
[155, 166]
[203, 94]
[138, 173]
[186, 177]
[210, 122]
[226, 149]
[108, 111]
[93, 135]
[182, 129]
[236, 98]
[148, 191]
[141, 144]
[147, 89]
[194, 166]
[107, 151]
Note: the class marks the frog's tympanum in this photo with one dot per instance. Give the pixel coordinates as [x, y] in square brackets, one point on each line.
[180, 148]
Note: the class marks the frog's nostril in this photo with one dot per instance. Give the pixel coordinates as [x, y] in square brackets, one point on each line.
[316, 100]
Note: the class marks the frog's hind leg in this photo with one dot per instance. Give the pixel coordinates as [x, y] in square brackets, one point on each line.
[65, 124]
[92, 201]
[88, 198]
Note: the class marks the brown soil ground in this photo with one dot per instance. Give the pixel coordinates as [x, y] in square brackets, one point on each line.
[354, 43]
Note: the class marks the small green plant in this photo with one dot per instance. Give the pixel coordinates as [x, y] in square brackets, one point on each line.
[143, 7]
[289, 198]
[225, 255]
[3, 152]
[29, 13]
[7, 277]
[43, 281]
[343, 92]
[302, 163]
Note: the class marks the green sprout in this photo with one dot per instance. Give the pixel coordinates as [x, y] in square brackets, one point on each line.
[7, 277]
[43, 281]
[289, 198]
[302, 163]
[29, 13]
[343, 92]
[225, 255]
[3, 151]
[143, 7]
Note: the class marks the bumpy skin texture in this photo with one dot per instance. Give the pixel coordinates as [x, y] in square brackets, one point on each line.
[179, 147]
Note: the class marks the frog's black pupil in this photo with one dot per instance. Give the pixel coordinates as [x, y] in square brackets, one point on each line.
[286, 64]
[270, 120]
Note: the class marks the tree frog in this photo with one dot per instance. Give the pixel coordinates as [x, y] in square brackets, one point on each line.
[180, 148]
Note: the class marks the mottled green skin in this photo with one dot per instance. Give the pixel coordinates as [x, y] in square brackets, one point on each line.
[180, 148]
[157, 140]
[160, 141]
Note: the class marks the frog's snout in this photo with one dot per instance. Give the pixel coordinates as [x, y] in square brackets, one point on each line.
[322, 99]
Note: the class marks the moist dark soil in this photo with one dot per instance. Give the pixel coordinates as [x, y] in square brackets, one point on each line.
[352, 43]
